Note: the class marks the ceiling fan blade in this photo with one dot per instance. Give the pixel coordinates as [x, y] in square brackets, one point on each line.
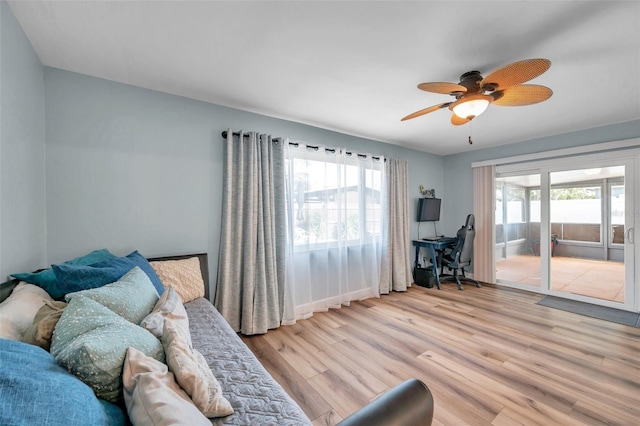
[426, 111]
[457, 121]
[440, 87]
[515, 73]
[523, 94]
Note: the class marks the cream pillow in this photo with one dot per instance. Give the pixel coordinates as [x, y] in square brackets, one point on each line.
[19, 309]
[192, 371]
[152, 395]
[184, 275]
[169, 306]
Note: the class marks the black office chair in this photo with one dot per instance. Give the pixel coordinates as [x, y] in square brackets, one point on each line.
[461, 255]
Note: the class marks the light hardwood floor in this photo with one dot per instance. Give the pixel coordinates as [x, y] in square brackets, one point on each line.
[491, 356]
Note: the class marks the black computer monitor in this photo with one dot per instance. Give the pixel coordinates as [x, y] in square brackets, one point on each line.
[428, 209]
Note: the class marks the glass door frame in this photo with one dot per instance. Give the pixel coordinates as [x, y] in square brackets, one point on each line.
[630, 158]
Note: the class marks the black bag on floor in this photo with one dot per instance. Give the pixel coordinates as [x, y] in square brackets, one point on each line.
[424, 277]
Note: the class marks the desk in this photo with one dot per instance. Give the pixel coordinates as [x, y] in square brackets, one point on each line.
[433, 245]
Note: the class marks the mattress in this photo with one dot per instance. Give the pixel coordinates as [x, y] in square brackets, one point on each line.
[255, 396]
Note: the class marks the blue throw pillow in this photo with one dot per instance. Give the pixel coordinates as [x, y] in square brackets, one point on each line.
[73, 278]
[46, 279]
[34, 389]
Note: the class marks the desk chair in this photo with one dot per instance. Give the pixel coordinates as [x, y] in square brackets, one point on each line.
[461, 255]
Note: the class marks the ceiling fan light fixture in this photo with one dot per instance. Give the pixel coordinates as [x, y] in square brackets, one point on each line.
[469, 107]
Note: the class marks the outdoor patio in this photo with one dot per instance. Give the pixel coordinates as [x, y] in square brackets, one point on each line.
[594, 278]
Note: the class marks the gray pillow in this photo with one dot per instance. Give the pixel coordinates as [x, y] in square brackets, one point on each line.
[169, 306]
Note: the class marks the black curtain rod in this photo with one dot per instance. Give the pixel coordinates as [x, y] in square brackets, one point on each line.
[296, 144]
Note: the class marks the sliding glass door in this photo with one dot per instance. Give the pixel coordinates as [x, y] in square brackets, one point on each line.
[588, 262]
[568, 230]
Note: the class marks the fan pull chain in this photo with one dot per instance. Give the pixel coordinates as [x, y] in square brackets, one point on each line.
[470, 141]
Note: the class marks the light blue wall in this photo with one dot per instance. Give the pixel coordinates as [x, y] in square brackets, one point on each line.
[458, 179]
[22, 151]
[129, 168]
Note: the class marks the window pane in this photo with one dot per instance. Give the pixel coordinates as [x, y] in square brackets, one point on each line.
[576, 211]
[534, 205]
[617, 214]
[333, 199]
[498, 212]
[515, 204]
[576, 205]
[373, 208]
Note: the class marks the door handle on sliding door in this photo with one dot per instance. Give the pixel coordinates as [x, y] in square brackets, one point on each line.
[630, 235]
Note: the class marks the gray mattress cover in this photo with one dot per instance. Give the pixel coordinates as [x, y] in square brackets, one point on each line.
[255, 396]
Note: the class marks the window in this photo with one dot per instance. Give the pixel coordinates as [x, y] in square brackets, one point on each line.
[617, 214]
[515, 204]
[333, 198]
[534, 205]
[576, 212]
[510, 212]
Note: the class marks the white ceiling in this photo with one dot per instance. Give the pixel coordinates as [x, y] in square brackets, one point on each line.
[354, 66]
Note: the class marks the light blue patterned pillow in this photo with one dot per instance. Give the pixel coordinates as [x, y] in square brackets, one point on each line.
[91, 342]
[132, 296]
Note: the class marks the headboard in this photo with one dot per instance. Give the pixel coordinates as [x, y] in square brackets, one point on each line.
[7, 287]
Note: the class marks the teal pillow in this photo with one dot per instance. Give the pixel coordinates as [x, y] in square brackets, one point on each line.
[46, 279]
[83, 277]
[132, 296]
[34, 390]
[91, 342]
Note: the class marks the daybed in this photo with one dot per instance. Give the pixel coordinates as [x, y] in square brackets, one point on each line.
[35, 389]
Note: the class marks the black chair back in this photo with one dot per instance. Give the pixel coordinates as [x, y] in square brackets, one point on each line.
[469, 234]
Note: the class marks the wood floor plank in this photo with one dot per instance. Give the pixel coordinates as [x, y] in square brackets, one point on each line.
[582, 373]
[491, 356]
[329, 419]
[295, 351]
[292, 382]
[505, 388]
[344, 397]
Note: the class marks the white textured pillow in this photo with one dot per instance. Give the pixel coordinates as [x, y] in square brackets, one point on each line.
[169, 306]
[152, 395]
[19, 309]
[192, 371]
[184, 275]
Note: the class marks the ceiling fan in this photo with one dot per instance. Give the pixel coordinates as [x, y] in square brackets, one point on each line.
[502, 87]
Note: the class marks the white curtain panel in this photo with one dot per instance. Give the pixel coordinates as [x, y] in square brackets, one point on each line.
[335, 226]
[483, 208]
[250, 291]
[395, 271]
